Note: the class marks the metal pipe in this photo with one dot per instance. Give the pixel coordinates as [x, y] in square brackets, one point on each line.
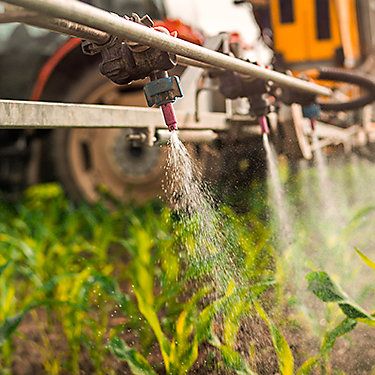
[59, 25]
[189, 62]
[88, 15]
[10, 17]
[74, 29]
[70, 28]
[19, 14]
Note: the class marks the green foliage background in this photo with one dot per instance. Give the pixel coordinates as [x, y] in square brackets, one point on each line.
[93, 284]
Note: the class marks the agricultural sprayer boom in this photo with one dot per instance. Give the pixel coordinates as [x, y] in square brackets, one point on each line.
[131, 49]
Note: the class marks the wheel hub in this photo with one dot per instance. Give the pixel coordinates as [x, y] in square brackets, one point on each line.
[134, 159]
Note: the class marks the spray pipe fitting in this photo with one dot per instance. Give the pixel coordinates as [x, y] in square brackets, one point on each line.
[260, 106]
[126, 61]
[255, 90]
[312, 112]
[310, 107]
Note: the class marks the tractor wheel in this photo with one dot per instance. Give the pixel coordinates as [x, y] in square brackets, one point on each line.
[93, 162]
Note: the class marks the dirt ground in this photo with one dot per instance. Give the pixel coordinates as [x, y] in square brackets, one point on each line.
[354, 354]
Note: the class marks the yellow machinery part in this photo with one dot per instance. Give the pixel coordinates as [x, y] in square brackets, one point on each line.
[296, 31]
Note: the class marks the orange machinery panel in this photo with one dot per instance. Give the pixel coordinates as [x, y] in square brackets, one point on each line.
[308, 30]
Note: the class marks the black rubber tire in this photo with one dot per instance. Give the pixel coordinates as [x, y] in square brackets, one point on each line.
[59, 138]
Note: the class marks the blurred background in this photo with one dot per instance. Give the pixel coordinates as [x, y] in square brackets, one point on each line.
[225, 252]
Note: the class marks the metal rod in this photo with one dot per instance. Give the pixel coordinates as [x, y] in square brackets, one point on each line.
[18, 114]
[88, 15]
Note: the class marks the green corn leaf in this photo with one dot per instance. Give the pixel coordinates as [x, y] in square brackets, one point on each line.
[308, 366]
[9, 326]
[111, 287]
[4, 267]
[190, 356]
[152, 318]
[283, 351]
[136, 362]
[369, 322]
[365, 259]
[324, 288]
[205, 321]
[330, 338]
[208, 314]
[183, 355]
[360, 215]
[184, 348]
[234, 361]
[353, 311]
[232, 320]
[358, 220]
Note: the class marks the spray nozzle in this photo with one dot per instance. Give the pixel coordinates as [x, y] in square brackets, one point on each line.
[162, 92]
[312, 112]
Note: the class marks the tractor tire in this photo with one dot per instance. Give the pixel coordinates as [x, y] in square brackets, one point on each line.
[96, 163]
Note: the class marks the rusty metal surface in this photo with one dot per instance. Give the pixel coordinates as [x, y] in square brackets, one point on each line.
[124, 63]
[43, 115]
[67, 27]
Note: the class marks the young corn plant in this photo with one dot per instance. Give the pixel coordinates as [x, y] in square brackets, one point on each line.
[321, 284]
[183, 317]
[125, 278]
[57, 256]
[155, 264]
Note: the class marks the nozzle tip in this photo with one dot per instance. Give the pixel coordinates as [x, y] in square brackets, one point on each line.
[264, 125]
[169, 116]
[172, 127]
[313, 124]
